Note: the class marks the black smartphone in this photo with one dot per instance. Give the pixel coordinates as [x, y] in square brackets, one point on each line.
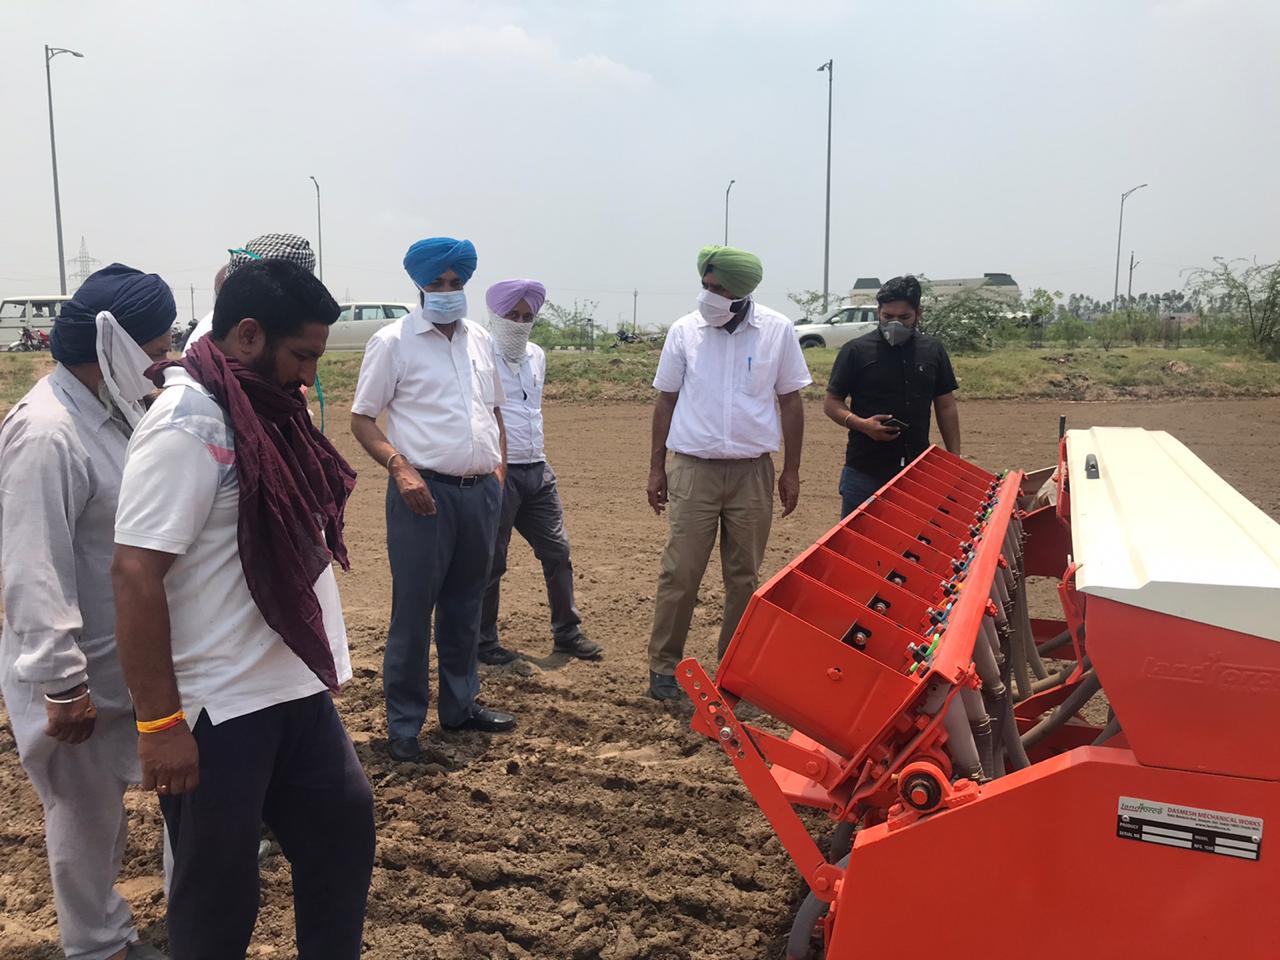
[894, 422]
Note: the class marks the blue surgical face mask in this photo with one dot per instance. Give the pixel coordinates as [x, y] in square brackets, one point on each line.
[444, 308]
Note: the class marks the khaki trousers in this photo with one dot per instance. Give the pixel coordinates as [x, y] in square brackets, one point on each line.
[734, 498]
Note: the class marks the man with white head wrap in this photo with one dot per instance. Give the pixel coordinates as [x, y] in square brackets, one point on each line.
[269, 246]
[62, 453]
[530, 500]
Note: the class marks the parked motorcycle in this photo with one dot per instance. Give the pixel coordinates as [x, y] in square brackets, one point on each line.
[30, 342]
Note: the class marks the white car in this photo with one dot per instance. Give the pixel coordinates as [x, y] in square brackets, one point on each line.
[837, 329]
[359, 321]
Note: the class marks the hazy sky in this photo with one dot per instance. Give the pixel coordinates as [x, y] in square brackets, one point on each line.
[589, 144]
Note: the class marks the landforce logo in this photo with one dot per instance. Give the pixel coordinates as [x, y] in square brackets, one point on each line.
[1140, 806]
[1214, 673]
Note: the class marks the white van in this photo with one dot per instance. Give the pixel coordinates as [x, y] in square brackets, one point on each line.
[38, 313]
[359, 321]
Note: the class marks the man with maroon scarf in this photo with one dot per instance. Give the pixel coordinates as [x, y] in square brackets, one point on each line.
[230, 627]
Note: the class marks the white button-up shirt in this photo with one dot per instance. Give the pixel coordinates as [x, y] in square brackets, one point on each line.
[728, 383]
[522, 413]
[439, 394]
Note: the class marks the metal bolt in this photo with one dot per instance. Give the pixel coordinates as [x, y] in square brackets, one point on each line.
[726, 733]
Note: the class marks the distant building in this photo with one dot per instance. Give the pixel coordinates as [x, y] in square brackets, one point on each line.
[995, 286]
[864, 291]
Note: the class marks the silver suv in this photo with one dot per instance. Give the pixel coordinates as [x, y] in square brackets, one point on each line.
[359, 321]
[837, 329]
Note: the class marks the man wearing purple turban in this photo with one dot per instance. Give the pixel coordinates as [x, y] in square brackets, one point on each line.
[433, 373]
[530, 501]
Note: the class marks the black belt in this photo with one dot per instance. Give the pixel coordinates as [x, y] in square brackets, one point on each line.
[455, 481]
[527, 466]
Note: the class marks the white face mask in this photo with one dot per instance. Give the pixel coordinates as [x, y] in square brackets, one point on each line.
[122, 363]
[444, 308]
[715, 309]
[510, 337]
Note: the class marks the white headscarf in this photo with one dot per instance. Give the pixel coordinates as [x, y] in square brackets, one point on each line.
[123, 364]
[510, 337]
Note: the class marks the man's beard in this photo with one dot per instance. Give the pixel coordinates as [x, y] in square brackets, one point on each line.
[265, 367]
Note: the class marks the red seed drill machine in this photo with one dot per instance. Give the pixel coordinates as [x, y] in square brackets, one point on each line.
[936, 722]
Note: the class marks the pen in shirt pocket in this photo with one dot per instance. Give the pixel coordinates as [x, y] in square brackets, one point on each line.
[748, 364]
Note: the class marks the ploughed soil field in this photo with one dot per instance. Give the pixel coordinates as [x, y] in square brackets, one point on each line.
[602, 827]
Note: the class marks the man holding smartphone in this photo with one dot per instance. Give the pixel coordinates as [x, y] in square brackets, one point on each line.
[883, 387]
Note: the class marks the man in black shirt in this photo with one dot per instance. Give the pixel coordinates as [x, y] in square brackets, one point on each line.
[881, 389]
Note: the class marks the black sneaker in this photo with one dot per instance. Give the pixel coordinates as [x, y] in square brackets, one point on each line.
[579, 647]
[497, 655]
[663, 687]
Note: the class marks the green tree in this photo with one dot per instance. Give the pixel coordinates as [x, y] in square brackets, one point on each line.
[561, 326]
[1108, 331]
[1141, 327]
[810, 303]
[965, 322]
[1042, 306]
[1070, 330]
[1248, 292]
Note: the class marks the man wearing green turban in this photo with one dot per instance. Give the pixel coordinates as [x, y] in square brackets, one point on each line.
[738, 272]
[728, 383]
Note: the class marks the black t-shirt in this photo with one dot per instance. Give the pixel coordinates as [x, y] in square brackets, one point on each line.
[874, 377]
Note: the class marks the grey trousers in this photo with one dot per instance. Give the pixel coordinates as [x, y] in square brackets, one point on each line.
[531, 505]
[81, 787]
[439, 569]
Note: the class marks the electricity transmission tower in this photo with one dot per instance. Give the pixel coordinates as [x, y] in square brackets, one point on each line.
[83, 264]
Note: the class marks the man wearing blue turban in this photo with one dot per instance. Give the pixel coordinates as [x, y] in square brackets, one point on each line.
[433, 372]
[62, 453]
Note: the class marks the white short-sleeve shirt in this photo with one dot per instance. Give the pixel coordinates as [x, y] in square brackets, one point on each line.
[439, 393]
[728, 383]
[180, 495]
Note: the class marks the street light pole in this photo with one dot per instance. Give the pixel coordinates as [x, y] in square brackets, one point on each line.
[319, 234]
[1115, 294]
[829, 66]
[726, 211]
[49, 54]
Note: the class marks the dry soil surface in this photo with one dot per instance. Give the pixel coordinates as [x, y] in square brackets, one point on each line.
[602, 827]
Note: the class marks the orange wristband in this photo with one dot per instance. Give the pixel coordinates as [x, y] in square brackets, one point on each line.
[164, 723]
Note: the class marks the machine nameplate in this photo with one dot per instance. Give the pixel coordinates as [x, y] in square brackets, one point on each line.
[1191, 828]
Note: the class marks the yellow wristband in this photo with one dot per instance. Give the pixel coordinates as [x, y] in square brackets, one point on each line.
[164, 723]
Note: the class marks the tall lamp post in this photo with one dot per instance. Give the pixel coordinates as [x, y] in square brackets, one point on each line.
[319, 234]
[49, 54]
[1115, 295]
[726, 211]
[829, 66]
